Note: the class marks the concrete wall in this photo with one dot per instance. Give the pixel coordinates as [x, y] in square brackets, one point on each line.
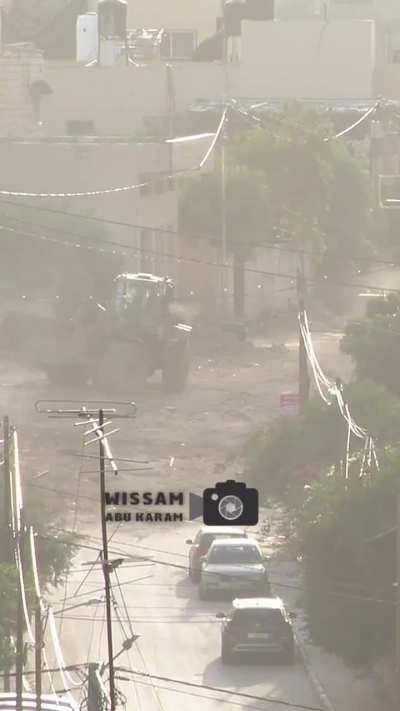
[62, 167]
[391, 82]
[279, 59]
[309, 59]
[117, 99]
[373, 9]
[18, 68]
[175, 14]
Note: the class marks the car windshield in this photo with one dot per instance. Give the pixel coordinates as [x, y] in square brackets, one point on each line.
[232, 555]
[258, 619]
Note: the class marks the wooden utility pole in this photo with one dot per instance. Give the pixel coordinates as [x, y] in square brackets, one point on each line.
[7, 493]
[7, 498]
[19, 665]
[38, 655]
[304, 380]
[397, 602]
[94, 698]
[106, 562]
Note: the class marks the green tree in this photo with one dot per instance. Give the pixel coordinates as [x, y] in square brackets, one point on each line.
[39, 242]
[320, 193]
[333, 529]
[55, 551]
[247, 216]
[374, 343]
[292, 451]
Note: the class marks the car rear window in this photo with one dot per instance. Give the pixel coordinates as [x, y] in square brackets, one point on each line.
[258, 619]
[234, 555]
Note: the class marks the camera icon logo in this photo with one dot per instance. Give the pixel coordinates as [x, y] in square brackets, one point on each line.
[230, 503]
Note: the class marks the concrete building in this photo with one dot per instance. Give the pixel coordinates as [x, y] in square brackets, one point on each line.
[200, 15]
[117, 109]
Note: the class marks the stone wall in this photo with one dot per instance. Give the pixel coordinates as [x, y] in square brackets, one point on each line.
[20, 65]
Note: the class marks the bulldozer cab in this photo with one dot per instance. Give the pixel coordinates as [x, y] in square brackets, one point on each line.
[142, 299]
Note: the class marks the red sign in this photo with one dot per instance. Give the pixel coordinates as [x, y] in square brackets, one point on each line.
[289, 403]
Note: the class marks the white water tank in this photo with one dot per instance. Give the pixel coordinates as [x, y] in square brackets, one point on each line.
[87, 37]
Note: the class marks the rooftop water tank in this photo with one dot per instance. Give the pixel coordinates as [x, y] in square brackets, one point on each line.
[234, 13]
[87, 37]
[260, 10]
[112, 18]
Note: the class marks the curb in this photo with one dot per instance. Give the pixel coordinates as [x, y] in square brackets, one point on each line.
[324, 698]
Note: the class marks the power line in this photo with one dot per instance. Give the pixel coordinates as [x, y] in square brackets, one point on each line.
[192, 260]
[239, 694]
[177, 233]
[275, 582]
[124, 188]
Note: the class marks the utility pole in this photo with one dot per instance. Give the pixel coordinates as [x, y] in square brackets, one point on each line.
[224, 138]
[304, 380]
[7, 490]
[94, 696]
[19, 665]
[397, 599]
[90, 413]
[106, 562]
[7, 499]
[38, 655]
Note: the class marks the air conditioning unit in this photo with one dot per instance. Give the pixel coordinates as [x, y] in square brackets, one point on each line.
[178, 44]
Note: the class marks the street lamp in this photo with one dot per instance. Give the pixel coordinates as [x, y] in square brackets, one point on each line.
[92, 601]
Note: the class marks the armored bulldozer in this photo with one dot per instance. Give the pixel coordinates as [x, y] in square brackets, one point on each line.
[114, 345]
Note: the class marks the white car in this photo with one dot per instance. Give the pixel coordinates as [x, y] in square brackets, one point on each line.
[234, 566]
[50, 702]
[199, 547]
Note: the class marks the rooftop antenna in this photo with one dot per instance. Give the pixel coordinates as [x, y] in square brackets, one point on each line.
[94, 414]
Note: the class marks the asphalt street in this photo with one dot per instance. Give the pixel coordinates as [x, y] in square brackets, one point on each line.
[179, 636]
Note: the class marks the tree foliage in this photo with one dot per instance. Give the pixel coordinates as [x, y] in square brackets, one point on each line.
[55, 551]
[336, 533]
[287, 184]
[319, 191]
[36, 246]
[374, 343]
[332, 520]
[247, 209]
[291, 451]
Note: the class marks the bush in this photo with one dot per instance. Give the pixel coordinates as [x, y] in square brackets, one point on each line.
[333, 528]
[374, 345]
[294, 450]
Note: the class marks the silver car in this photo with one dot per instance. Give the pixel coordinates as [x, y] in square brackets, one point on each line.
[234, 566]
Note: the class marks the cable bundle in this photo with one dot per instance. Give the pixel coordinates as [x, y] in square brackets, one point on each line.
[329, 391]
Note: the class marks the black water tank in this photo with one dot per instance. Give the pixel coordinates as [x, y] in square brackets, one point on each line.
[259, 9]
[234, 13]
[112, 18]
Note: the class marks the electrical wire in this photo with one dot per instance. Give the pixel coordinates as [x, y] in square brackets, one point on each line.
[192, 260]
[40, 600]
[275, 582]
[175, 233]
[239, 694]
[123, 188]
[357, 123]
[74, 527]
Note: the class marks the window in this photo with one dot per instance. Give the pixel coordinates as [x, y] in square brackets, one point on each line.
[178, 44]
[80, 128]
[266, 620]
[235, 555]
[156, 183]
